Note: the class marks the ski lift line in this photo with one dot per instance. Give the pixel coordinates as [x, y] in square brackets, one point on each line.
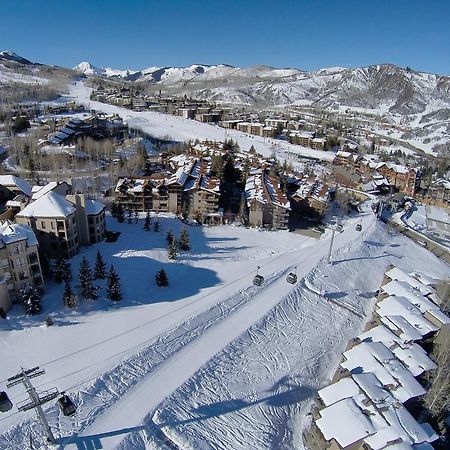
[149, 322]
[82, 382]
[89, 347]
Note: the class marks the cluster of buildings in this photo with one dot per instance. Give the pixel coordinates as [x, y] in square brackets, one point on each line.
[186, 184]
[367, 406]
[189, 188]
[368, 174]
[267, 205]
[97, 126]
[48, 217]
[227, 117]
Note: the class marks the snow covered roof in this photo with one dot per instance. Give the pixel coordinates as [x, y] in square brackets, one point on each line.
[343, 154]
[415, 358]
[400, 306]
[93, 207]
[345, 422]
[403, 289]
[397, 274]
[262, 188]
[49, 205]
[43, 190]
[13, 232]
[375, 357]
[17, 182]
[344, 388]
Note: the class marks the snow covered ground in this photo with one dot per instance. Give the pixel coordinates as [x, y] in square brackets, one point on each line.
[211, 361]
[165, 125]
[431, 221]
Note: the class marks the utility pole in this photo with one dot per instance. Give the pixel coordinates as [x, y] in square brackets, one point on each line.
[36, 400]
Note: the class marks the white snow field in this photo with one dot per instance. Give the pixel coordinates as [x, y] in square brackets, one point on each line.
[211, 361]
[174, 127]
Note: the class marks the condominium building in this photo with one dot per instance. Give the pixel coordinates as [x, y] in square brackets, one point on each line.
[19, 262]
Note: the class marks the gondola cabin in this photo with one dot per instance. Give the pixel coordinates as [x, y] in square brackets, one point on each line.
[66, 405]
[258, 280]
[291, 278]
[358, 227]
[5, 402]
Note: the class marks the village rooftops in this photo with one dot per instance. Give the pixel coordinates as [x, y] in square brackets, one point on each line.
[362, 407]
[397, 274]
[262, 188]
[403, 289]
[402, 307]
[17, 183]
[14, 232]
[375, 357]
[409, 353]
[345, 422]
[49, 205]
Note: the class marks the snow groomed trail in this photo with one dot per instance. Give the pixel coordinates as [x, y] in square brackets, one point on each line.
[128, 412]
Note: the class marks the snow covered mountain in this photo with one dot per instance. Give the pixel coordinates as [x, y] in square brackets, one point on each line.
[385, 87]
[7, 55]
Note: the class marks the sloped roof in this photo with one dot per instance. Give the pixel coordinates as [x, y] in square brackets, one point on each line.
[94, 207]
[49, 205]
[13, 232]
[19, 183]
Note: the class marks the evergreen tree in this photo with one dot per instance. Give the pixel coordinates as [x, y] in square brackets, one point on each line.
[120, 213]
[161, 278]
[136, 215]
[99, 268]
[62, 271]
[85, 279]
[113, 287]
[169, 236]
[156, 226]
[68, 296]
[184, 240]
[31, 300]
[173, 250]
[148, 221]
[130, 214]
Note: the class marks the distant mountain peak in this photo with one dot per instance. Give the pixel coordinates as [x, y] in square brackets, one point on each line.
[7, 55]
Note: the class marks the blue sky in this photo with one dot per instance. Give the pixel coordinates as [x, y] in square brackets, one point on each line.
[308, 35]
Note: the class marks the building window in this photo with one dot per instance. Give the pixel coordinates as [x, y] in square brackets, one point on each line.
[20, 262]
[52, 224]
[42, 224]
[22, 275]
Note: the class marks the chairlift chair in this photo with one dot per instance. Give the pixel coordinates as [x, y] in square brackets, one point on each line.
[66, 405]
[291, 278]
[5, 402]
[258, 279]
